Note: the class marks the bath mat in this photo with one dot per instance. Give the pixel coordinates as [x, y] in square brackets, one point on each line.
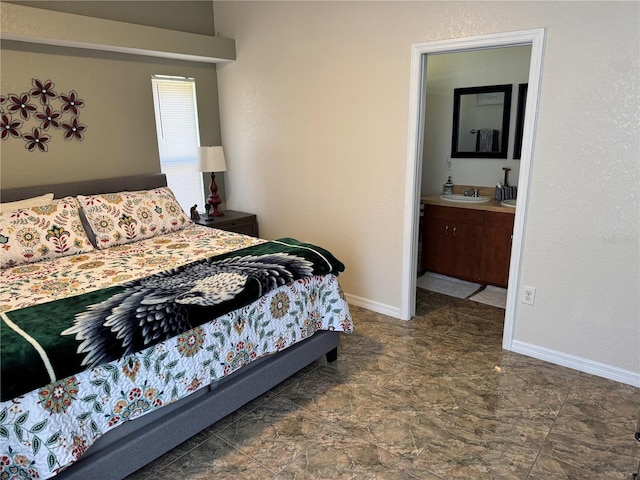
[491, 295]
[453, 287]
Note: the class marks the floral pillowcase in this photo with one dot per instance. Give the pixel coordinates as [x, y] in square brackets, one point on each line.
[45, 232]
[126, 217]
[40, 201]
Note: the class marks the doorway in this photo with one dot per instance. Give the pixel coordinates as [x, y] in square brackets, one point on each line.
[419, 55]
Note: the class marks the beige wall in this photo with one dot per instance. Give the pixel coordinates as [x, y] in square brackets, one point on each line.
[192, 16]
[121, 135]
[315, 116]
[314, 122]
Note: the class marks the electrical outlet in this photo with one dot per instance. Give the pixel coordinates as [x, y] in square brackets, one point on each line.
[528, 295]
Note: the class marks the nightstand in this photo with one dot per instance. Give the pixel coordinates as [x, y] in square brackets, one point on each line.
[232, 221]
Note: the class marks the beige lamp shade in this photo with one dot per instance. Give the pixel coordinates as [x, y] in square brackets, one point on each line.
[211, 159]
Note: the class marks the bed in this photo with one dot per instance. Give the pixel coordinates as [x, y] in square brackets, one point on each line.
[220, 318]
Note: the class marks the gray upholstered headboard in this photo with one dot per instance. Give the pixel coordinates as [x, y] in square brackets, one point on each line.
[88, 187]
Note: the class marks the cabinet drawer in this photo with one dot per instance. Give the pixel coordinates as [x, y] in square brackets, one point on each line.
[246, 228]
[499, 220]
[232, 221]
[455, 214]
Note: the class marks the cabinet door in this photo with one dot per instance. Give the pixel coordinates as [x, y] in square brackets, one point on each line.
[452, 241]
[436, 248]
[466, 254]
[496, 248]
[496, 253]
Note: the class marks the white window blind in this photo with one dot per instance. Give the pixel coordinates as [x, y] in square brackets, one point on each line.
[174, 100]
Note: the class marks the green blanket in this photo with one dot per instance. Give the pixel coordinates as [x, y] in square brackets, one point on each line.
[45, 342]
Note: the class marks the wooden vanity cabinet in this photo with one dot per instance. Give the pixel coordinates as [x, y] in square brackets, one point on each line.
[496, 248]
[452, 241]
[469, 244]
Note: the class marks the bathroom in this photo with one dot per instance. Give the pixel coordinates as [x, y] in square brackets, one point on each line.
[478, 174]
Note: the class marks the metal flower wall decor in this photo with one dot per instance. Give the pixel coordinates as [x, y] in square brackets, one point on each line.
[34, 115]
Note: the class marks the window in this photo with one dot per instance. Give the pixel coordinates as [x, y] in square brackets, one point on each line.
[174, 101]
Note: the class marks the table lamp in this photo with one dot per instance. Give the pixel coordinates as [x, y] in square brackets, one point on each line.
[211, 159]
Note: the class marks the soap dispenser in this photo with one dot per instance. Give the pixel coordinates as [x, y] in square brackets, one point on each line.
[447, 188]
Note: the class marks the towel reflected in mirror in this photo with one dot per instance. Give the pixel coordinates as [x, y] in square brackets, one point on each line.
[487, 140]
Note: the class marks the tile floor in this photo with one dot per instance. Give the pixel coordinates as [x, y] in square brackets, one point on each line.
[433, 398]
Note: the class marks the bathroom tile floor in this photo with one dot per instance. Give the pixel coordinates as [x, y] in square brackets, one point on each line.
[432, 398]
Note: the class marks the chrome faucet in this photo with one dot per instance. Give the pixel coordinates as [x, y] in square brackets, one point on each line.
[470, 192]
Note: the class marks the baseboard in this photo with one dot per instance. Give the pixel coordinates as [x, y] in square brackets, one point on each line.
[373, 306]
[577, 363]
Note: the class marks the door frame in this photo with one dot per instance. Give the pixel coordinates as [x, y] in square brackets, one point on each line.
[419, 54]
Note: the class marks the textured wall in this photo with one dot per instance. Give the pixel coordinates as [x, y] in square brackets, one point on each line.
[315, 114]
[192, 16]
[121, 137]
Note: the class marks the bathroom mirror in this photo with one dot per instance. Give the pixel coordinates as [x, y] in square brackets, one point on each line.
[522, 104]
[481, 122]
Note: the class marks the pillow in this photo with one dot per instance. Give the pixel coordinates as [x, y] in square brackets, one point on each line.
[126, 217]
[32, 234]
[40, 201]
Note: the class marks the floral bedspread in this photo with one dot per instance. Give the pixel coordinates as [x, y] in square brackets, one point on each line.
[48, 429]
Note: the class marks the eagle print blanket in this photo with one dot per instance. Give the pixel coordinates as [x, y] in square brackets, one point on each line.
[48, 429]
[58, 339]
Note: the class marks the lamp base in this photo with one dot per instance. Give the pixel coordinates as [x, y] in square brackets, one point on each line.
[217, 213]
[213, 211]
[214, 199]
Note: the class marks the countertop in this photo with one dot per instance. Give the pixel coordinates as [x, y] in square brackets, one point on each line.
[492, 205]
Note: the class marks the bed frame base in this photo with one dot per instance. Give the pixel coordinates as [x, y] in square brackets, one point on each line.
[131, 446]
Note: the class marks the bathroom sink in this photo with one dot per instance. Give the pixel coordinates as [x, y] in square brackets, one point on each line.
[464, 199]
[509, 203]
